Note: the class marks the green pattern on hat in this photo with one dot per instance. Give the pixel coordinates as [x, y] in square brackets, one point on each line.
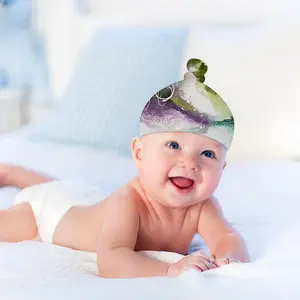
[189, 106]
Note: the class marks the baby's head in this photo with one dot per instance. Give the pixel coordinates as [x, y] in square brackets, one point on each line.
[185, 132]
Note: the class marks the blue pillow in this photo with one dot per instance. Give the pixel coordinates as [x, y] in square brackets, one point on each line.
[120, 70]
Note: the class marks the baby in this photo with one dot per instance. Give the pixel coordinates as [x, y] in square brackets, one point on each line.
[185, 132]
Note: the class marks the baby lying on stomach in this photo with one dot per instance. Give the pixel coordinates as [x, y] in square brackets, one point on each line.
[180, 154]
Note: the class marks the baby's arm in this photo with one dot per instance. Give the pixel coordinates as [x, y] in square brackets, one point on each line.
[221, 239]
[117, 239]
[11, 175]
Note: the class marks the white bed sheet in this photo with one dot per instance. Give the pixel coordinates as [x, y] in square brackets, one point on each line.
[261, 200]
[104, 169]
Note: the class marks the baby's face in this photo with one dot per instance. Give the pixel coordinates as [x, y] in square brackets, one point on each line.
[178, 169]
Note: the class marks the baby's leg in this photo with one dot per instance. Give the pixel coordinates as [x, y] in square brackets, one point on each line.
[17, 224]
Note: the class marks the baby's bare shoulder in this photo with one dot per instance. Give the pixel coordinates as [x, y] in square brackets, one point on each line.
[126, 195]
[211, 206]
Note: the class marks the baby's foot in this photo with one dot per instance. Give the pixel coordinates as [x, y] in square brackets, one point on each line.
[5, 173]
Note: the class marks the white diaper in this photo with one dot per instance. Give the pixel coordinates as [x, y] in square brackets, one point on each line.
[50, 201]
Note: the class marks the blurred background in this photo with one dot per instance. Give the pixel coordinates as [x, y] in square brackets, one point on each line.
[251, 47]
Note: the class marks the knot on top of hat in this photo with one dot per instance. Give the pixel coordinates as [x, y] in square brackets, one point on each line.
[189, 105]
[198, 68]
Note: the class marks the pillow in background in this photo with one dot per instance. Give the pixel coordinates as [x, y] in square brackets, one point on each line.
[120, 70]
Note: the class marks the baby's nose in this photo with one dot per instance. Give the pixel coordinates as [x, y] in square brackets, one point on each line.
[189, 163]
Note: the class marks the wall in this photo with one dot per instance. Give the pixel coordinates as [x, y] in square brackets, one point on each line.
[66, 31]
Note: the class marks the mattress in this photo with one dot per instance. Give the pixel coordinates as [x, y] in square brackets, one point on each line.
[260, 199]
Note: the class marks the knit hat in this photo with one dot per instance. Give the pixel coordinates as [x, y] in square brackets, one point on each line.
[189, 106]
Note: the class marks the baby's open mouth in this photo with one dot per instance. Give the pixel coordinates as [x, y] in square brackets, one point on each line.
[182, 182]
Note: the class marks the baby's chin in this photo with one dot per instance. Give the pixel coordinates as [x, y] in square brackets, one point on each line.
[181, 201]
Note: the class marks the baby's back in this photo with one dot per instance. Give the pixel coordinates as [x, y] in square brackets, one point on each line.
[80, 227]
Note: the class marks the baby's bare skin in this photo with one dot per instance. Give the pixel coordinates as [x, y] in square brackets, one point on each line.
[164, 231]
[161, 209]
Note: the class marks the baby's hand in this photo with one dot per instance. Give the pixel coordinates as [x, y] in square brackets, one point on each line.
[221, 261]
[198, 261]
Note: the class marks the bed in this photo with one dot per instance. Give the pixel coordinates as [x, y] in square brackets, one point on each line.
[259, 190]
[260, 200]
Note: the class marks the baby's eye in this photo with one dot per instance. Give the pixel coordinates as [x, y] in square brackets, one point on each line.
[208, 153]
[173, 145]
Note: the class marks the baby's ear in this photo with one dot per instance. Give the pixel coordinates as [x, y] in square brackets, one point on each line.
[225, 164]
[136, 150]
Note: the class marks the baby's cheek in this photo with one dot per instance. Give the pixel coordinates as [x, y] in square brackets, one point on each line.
[153, 173]
[213, 179]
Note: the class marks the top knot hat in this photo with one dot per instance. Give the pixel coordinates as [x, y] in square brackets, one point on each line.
[189, 106]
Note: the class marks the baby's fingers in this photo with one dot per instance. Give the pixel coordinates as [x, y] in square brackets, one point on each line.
[202, 254]
[221, 261]
[207, 260]
[198, 267]
[202, 263]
